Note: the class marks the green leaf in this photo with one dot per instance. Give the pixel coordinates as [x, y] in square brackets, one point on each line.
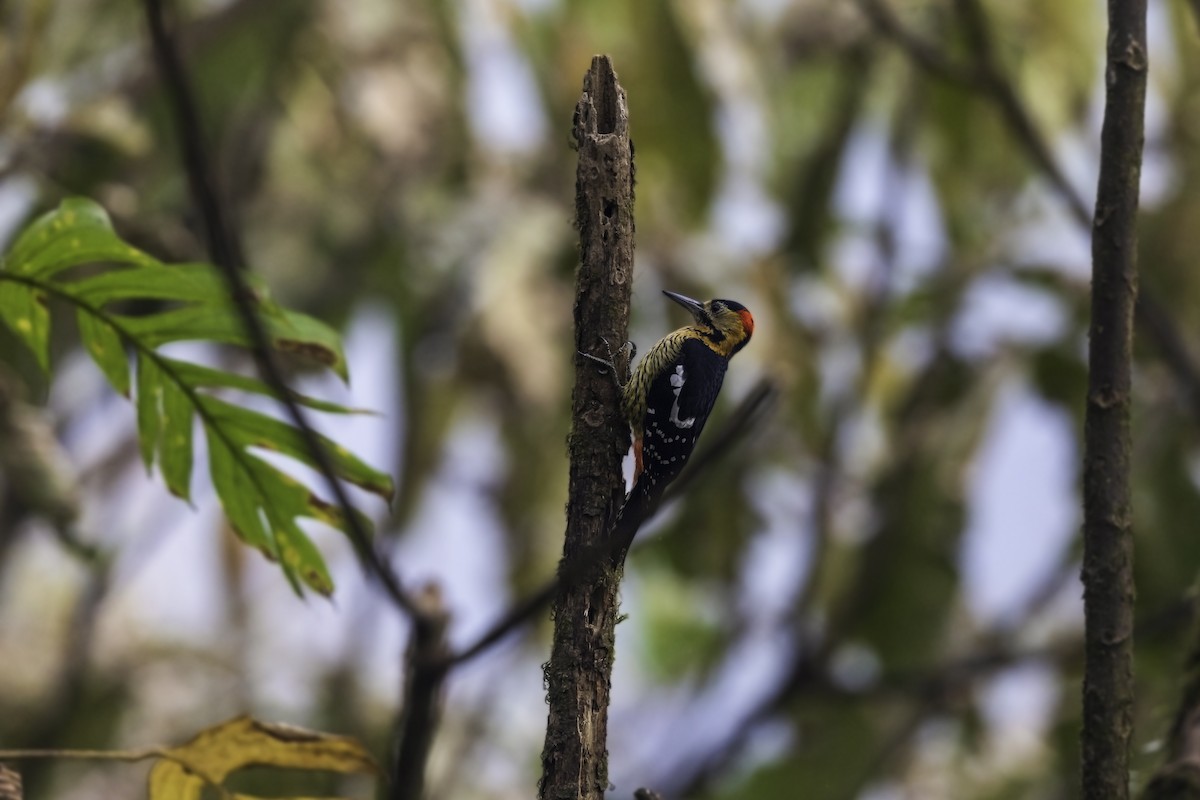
[200, 375]
[149, 407]
[191, 283]
[285, 500]
[231, 478]
[104, 345]
[264, 492]
[309, 338]
[263, 503]
[175, 447]
[190, 323]
[23, 309]
[252, 429]
[77, 232]
[289, 332]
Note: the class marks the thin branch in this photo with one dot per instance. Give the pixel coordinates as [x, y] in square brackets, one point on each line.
[418, 721]
[994, 80]
[420, 713]
[1156, 323]
[811, 653]
[1179, 776]
[930, 684]
[226, 252]
[986, 76]
[224, 244]
[1107, 506]
[140, 754]
[925, 687]
[869, 325]
[748, 414]
[927, 55]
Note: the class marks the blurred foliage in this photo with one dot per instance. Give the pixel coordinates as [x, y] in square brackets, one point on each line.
[410, 160]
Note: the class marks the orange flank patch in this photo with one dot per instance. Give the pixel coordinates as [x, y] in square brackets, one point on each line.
[637, 458]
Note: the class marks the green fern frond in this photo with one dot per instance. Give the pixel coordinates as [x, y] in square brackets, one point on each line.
[262, 503]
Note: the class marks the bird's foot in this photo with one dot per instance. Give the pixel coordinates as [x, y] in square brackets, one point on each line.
[611, 362]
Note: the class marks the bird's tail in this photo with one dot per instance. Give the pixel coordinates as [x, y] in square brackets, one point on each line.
[639, 505]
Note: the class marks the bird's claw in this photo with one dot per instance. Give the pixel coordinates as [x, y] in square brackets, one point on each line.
[607, 363]
[611, 362]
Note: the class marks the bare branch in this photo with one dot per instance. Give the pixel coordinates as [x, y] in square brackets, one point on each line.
[420, 711]
[1108, 517]
[987, 76]
[419, 706]
[1179, 777]
[926, 55]
[226, 252]
[748, 414]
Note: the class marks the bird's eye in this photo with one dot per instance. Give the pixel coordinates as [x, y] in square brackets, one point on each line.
[718, 307]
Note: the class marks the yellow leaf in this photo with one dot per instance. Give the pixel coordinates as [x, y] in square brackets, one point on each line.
[184, 771]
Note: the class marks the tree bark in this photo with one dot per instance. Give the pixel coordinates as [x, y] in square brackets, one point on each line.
[1108, 525]
[575, 756]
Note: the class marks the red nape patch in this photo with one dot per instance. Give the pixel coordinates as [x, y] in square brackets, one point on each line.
[637, 458]
[747, 321]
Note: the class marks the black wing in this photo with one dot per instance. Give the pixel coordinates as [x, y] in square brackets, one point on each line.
[678, 404]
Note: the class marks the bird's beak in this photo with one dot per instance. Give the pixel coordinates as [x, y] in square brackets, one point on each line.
[694, 306]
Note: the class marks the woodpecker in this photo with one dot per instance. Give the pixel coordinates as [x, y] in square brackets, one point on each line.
[675, 385]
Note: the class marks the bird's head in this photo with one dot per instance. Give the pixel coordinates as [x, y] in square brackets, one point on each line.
[726, 324]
